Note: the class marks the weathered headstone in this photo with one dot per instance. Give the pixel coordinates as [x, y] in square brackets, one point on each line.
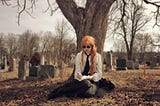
[109, 63]
[41, 72]
[158, 60]
[34, 71]
[121, 64]
[2, 66]
[21, 70]
[47, 71]
[22, 67]
[136, 65]
[148, 63]
[153, 64]
[11, 64]
[130, 64]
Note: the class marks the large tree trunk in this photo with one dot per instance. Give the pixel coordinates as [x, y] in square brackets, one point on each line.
[91, 20]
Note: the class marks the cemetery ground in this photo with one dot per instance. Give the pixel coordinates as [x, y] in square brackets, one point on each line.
[132, 89]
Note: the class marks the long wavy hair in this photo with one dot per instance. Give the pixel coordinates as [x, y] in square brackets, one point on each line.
[89, 40]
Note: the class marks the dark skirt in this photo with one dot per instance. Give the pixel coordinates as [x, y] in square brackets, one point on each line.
[85, 88]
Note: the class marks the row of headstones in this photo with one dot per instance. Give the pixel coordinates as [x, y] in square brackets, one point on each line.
[38, 72]
[42, 72]
[123, 64]
[152, 63]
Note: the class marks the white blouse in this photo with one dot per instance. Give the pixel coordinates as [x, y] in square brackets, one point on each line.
[79, 68]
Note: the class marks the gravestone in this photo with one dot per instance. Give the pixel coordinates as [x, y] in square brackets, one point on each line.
[2, 66]
[121, 64]
[41, 72]
[47, 71]
[109, 63]
[21, 70]
[136, 65]
[34, 65]
[22, 67]
[158, 60]
[148, 63]
[11, 64]
[34, 71]
[130, 64]
[153, 64]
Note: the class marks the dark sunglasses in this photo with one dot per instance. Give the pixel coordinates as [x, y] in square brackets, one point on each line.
[86, 47]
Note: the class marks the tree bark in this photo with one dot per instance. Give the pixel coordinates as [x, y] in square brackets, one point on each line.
[91, 20]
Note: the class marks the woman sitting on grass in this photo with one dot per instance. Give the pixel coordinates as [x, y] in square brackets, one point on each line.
[88, 81]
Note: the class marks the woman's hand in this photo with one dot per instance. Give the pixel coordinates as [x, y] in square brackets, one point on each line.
[79, 76]
[90, 77]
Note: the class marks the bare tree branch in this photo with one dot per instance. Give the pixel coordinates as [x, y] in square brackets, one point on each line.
[50, 7]
[157, 12]
[23, 9]
[5, 2]
[123, 9]
[153, 3]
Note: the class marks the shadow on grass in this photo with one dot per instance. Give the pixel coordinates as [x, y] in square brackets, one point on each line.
[25, 92]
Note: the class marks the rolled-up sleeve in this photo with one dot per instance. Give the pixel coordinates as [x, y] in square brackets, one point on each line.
[98, 68]
[77, 66]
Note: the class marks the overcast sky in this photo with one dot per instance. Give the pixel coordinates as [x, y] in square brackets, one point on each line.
[41, 22]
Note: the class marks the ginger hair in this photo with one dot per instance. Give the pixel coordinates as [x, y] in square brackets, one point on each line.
[89, 40]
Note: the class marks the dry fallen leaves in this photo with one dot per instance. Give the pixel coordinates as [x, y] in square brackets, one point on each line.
[131, 90]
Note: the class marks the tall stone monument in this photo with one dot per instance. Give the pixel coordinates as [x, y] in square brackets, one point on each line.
[109, 60]
[22, 67]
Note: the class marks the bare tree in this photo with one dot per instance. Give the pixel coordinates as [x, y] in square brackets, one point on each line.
[11, 45]
[56, 48]
[130, 24]
[119, 47]
[69, 49]
[90, 19]
[142, 42]
[61, 31]
[155, 3]
[28, 43]
[47, 46]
